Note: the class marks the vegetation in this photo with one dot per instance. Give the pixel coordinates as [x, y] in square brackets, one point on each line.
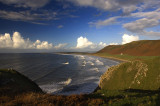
[12, 83]
[136, 48]
[135, 81]
[144, 74]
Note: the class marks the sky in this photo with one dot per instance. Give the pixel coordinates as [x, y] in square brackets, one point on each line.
[75, 25]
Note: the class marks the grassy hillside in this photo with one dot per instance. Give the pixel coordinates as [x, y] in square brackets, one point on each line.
[12, 83]
[136, 48]
[137, 78]
[137, 74]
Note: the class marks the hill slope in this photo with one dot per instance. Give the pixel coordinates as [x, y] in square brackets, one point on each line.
[144, 74]
[135, 48]
[12, 83]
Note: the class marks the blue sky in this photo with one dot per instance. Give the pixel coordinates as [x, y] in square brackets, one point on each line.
[75, 25]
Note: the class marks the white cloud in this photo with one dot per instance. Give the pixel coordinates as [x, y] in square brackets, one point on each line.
[26, 3]
[5, 41]
[129, 38]
[60, 46]
[42, 45]
[106, 22]
[18, 42]
[113, 44]
[83, 44]
[102, 44]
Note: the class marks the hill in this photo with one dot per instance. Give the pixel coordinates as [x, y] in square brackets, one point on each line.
[136, 74]
[13, 83]
[135, 48]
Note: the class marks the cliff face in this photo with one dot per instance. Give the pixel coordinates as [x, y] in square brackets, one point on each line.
[132, 75]
[12, 83]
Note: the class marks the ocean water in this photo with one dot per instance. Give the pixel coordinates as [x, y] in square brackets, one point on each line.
[57, 73]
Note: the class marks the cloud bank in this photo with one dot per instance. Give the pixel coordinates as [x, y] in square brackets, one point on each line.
[127, 6]
[16, 41]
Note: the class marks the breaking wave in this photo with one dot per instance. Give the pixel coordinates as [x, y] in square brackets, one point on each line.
[69, 74]
[67, 82]
[99, 62]
[66, 63]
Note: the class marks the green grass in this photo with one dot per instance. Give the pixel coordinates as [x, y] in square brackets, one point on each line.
[125, 57]
[136, 74]
[130, 97]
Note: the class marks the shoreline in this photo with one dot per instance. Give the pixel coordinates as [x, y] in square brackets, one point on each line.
[91, 54]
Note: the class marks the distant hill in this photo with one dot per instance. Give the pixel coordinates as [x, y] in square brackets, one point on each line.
[135, 48]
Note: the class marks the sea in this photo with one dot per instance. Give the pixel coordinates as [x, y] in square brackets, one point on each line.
[59, 74]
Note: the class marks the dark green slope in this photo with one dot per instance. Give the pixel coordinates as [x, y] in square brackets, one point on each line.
[12, 83]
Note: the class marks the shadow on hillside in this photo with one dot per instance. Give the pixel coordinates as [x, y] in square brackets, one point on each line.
[138, 94]
[143, 93]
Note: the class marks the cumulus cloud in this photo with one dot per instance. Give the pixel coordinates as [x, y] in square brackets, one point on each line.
[60, 46]
[83, 44]
[5, 41]
[26, 3]
[105, 22]
[129, 38]
[42, 45]
[18, 42]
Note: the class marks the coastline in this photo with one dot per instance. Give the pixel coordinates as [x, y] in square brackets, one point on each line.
[93, 54]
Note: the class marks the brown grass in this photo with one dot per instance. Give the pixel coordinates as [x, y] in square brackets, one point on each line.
[35, 99]
[136, 48]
